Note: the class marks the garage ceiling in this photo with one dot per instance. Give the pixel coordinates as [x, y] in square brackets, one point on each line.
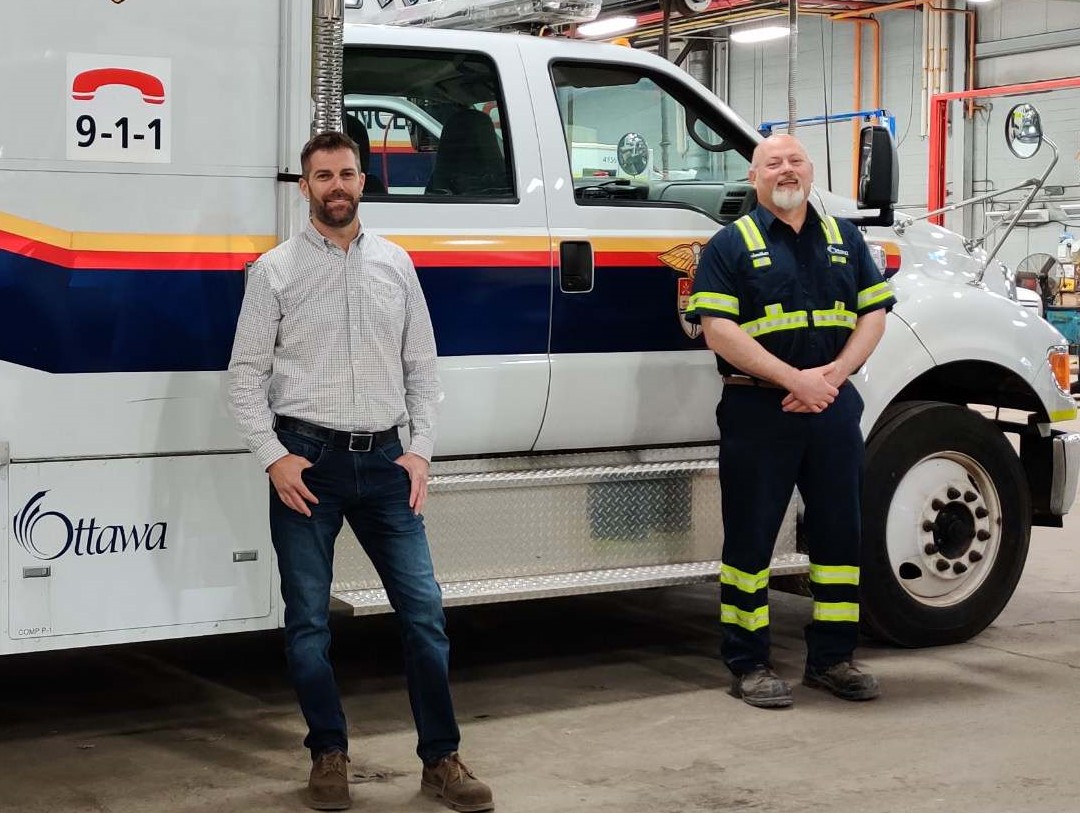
[721, 13]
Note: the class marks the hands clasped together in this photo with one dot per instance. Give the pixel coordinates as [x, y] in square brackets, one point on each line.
[812, 390]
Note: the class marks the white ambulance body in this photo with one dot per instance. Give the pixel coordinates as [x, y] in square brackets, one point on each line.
[149, 152]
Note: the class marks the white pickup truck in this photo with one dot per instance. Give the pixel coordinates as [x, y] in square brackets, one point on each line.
[149, 153]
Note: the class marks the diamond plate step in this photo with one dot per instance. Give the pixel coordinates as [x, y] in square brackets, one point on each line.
[488, 591]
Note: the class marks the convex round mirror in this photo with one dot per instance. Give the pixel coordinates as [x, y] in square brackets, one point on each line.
[1023, 130]
[632, 153]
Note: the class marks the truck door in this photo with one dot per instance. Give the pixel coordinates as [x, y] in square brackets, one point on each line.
[639, 177]
[451, 161]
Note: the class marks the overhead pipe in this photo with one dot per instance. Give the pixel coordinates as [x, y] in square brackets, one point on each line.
[793, 61]
[857, 105]
[719, 13]
[649, 28]
[875, 77]
[912, 5]
[924, 116]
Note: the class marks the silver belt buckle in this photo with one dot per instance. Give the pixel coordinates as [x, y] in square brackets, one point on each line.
[363, 437]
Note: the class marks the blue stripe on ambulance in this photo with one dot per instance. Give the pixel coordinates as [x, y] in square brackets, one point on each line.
[93, 321]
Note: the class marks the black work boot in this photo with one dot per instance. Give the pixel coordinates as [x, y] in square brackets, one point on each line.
[328, 786]
[761, 687]
[450, 780]
[844, 680]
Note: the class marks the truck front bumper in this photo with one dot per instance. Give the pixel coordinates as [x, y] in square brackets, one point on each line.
[1052, 464]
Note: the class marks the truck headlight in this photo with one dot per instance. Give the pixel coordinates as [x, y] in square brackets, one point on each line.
[1058, 359]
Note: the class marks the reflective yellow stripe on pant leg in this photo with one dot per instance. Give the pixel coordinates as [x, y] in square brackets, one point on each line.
[740, 579]
[836, 611]
[834, 574]
[747, 619]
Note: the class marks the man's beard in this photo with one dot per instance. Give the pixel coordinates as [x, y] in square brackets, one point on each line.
[788, 199]
[322, 213]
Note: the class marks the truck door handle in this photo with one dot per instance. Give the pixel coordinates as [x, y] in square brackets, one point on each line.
[575, 266]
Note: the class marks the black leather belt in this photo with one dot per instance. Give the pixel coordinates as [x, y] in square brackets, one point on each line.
[749, 381]
[339, 441]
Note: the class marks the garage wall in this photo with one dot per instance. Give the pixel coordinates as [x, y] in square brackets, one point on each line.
[1020, 42]
[758, 90]
[1017, 41]
[1027, 40]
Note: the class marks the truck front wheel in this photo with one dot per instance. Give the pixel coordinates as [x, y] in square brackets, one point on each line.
[946, 523]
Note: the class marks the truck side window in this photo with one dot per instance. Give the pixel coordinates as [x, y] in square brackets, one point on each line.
[428, 124]
[631, 141]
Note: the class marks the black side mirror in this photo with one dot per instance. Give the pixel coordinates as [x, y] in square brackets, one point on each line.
[879, 174]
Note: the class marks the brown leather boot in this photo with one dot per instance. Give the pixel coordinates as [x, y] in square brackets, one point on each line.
[450, 780]
[328, 786]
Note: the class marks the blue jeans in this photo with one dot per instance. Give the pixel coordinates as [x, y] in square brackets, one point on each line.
[371, 492]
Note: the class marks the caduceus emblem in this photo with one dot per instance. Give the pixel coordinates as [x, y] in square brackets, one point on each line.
[684, 259]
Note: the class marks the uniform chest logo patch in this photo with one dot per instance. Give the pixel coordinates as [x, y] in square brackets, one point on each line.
[684, 260]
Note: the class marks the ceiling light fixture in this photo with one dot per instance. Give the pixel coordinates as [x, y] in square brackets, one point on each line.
[608, 27]
[760, 34]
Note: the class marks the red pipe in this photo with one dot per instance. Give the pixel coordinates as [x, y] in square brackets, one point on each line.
[935, 193]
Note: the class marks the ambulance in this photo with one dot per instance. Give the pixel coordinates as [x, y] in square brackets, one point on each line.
[554, 196]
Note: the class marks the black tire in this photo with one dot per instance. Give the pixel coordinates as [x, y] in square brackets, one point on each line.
[949, 568]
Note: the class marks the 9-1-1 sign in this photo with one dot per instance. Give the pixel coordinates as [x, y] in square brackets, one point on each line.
[119, 109]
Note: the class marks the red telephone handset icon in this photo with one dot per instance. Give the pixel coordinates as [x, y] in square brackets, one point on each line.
[87, 83]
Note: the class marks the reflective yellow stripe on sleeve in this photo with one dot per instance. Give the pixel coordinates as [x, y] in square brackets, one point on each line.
[834, 574]
[705, 301]
[775, 319]
[746, 582]
[873, 295]
[837, 316]
[747, 619]
[836, 611]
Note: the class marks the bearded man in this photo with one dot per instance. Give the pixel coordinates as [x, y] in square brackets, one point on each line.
[792, 304]
[335, 351]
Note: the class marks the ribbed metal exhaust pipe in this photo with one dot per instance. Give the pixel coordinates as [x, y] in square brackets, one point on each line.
[326, 81]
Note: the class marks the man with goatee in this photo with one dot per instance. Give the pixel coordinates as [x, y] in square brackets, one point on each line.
[792, 304]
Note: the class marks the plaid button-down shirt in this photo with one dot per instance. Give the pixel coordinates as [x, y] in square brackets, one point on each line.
[340, 339]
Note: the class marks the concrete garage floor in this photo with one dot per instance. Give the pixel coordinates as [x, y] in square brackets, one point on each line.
[610, 703]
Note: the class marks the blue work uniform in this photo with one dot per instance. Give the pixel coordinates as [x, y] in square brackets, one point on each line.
[799, 295]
